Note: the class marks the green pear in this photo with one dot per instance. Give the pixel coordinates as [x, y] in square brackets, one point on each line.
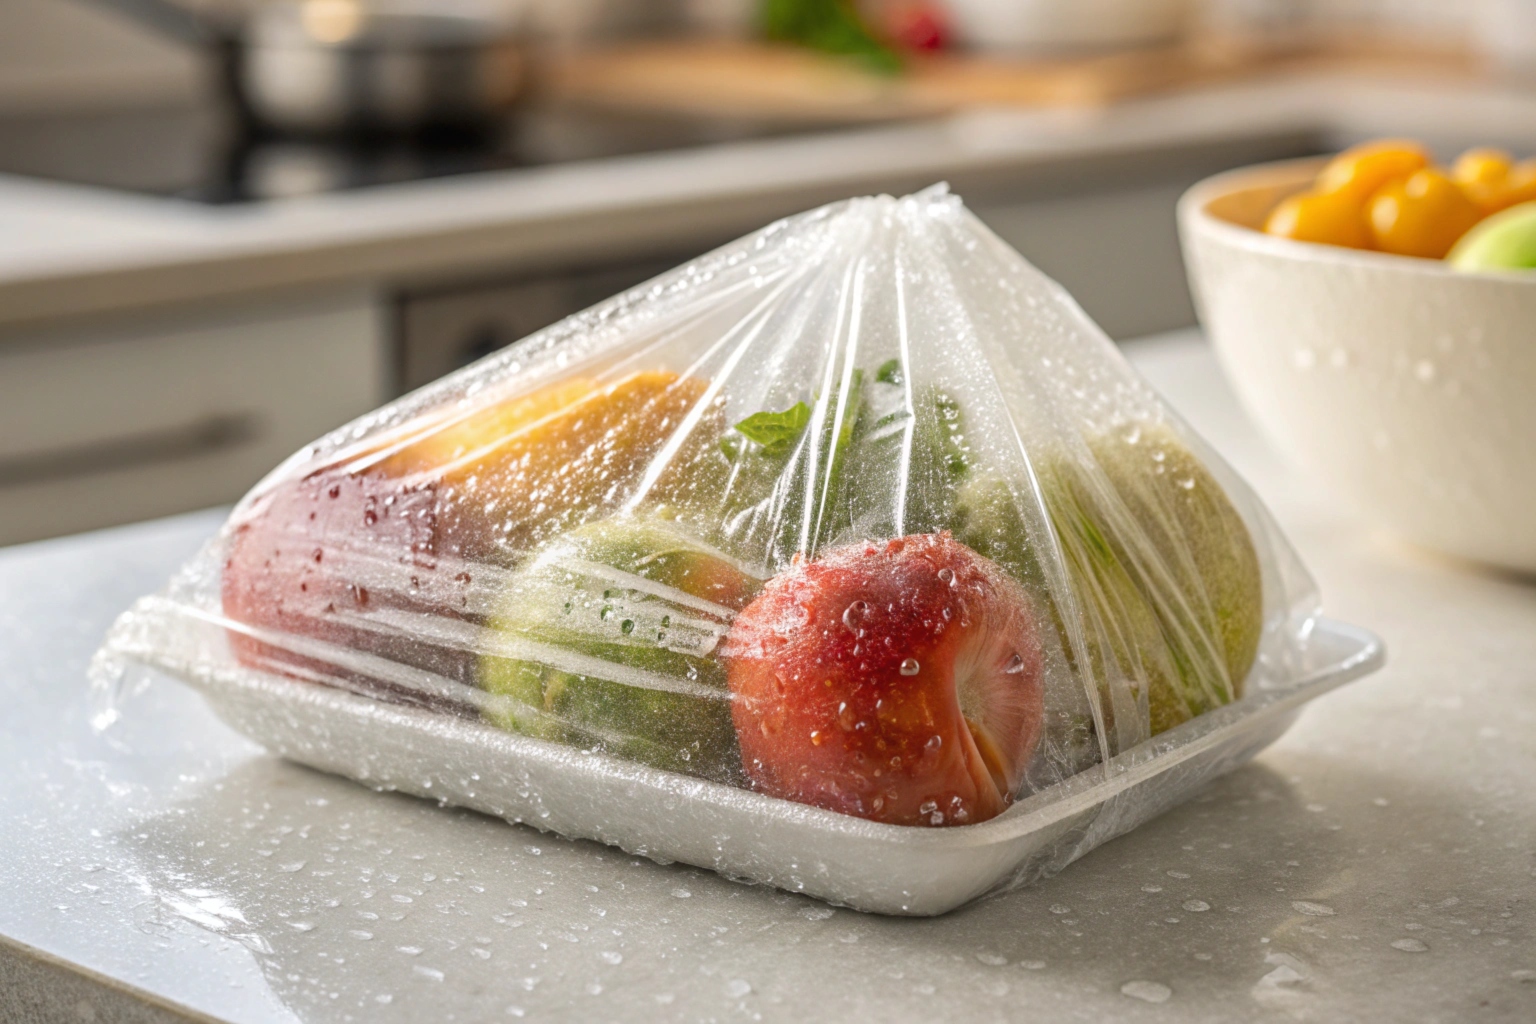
[606, 639]
[1505, 241]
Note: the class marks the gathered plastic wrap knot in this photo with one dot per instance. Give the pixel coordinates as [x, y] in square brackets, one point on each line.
[860, 512]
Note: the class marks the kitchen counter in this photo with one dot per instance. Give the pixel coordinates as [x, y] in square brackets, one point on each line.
[1378, 863]
[68, 250]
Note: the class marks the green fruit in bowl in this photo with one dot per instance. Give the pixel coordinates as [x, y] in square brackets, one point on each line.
[1165, 572]
[1505, 241]
[606, 640]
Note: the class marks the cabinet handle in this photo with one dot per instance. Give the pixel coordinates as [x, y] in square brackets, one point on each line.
[205, 436]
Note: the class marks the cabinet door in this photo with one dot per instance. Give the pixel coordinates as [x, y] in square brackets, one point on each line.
[125, 421]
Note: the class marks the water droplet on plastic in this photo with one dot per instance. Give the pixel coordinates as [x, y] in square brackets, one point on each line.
[1147, 991]
[846, 719]
[1312, 909]
[1304, 358]
[1410, 946]
[992, 959]
[1196, 906]
[627, 626]
[910, 667]
[613, 958]
[738, 988]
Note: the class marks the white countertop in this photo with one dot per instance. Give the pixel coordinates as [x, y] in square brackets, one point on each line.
[68, 249]
[1374, 865]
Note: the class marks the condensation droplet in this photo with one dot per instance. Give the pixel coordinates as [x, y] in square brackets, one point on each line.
[1410, 946]
[910, 667]
[1312, 909]
[1147, 991]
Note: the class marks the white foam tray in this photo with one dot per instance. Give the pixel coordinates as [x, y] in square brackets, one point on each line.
[861, 864]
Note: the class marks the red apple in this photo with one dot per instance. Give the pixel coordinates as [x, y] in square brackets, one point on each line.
[898, 681]
[315, 567]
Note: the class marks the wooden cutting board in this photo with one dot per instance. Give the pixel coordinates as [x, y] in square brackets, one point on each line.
[761, 80]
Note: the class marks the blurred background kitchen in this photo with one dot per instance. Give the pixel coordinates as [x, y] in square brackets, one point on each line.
[227, 227]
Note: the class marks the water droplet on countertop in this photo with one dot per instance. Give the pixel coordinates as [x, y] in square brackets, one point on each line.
[1410, 946]
[738, 988]
[992, 959]
[1032, 965]
[1196, 906]
[1147, 991]
[1312, 909]
[1058, 909]
[681, 894]
[613, 958]
[291, 867]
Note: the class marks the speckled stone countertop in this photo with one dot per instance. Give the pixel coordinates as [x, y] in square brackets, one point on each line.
[1377, 864]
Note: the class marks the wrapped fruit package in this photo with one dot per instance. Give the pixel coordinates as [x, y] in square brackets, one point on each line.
[851, 557]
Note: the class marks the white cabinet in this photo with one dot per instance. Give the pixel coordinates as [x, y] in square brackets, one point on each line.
[115, 422]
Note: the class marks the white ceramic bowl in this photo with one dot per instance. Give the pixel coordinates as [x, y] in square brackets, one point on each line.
[1407, 388]
[1056, 25]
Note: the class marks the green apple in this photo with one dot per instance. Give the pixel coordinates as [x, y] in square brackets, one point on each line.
[606, 639]
[1166, 574]
[1505, 241]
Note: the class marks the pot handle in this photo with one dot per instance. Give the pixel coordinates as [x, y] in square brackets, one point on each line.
[189, 24]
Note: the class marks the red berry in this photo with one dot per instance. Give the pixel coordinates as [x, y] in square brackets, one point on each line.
[899, 681]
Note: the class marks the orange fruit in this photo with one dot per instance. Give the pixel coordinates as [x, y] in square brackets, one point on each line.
[1363, 169]
[1332, 218]
[1422, 216]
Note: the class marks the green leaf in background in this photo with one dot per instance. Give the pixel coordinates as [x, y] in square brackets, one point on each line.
[889, 372]
[776, 432]
[832, 26]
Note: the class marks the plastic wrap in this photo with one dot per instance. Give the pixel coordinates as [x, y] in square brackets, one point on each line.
[860, 513]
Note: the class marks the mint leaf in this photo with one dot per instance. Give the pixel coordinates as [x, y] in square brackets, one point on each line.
[776, 432]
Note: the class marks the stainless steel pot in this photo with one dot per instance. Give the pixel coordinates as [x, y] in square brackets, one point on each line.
[335, 66]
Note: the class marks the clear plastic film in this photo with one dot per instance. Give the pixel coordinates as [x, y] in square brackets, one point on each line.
[860, 511]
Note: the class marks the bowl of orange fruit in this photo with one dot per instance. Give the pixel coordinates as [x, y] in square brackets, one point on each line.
[1376, 315]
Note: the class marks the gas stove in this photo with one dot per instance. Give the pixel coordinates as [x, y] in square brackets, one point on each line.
[205, 154]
